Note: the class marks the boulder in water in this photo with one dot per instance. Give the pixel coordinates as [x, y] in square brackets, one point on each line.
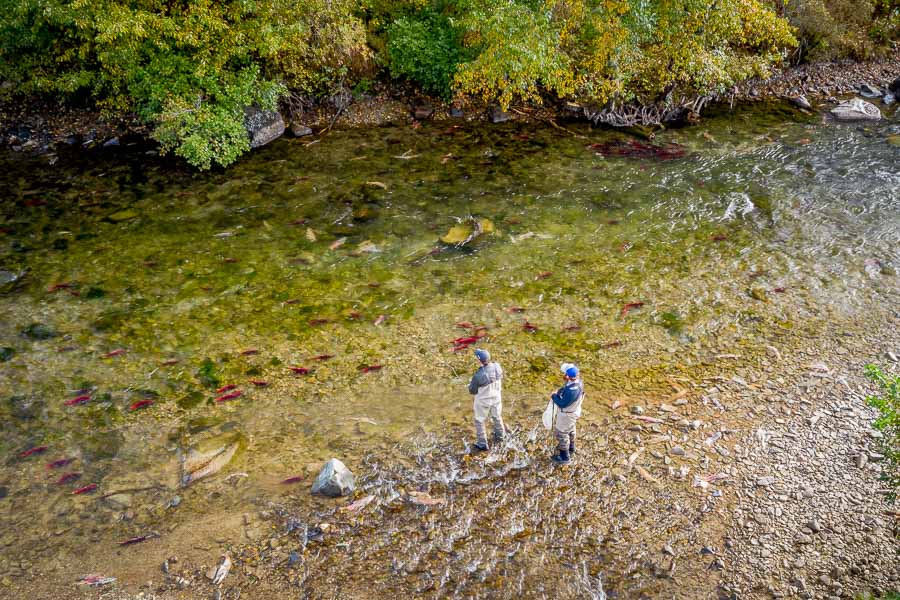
[856, 110]
[262, 126]
[894, 88]
[423, 110]
[889, 99]
[39, 331]
[496, 115]
[801, 102]
[867, 90]
[334, 480]
[300, 130]
[10, 280]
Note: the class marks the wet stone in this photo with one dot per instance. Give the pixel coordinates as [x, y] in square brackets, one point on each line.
[334, 480]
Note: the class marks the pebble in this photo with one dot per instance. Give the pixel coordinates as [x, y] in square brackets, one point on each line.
[677, 451]
[765, 481]
[803, 539]
[637, 410]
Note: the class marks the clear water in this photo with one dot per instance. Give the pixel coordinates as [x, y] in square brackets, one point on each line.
[772, 221]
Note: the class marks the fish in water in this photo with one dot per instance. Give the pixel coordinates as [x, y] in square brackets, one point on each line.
[515, 309]
[139, 539]
[32, 451]
[222, 571]
[249, 352]
[199, 465]
[169, 362]
[779, 290]
[573, 327]
[378, 321]
[358, 505]
[719, 237]
[84, 490]
[96, 580]
[226, 388]
[259, 382]
[529, 327]
[466, 341]
[322, 321]
[140, 404]
[337, 243]
[231, 396]
[354, 316]
[425, 499]
[628, 307]
[294, 479]
[67, 478]
[321, 357]
[299, 370]
[545, 274]
[609, 345]
[116, 352]
[231, 260]
[59, 286]
[56, 464]
[371, 368]
[465, 325]
[78, 400]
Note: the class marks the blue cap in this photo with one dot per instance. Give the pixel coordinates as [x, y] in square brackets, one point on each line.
[483, 355]
[572, 372]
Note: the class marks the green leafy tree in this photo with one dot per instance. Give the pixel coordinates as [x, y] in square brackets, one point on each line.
[887, 401]
[604, 49]
[426, 48]
[190, 68]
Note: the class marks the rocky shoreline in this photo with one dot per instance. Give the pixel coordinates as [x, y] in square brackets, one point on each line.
[47, 128]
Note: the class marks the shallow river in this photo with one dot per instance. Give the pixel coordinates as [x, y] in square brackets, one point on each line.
[143, 288]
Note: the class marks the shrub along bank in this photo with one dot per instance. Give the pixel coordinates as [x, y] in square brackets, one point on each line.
[189, 68]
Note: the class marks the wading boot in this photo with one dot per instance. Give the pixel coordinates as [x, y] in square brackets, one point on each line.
[498, 438]
[479, 447]
[562, 458]
[572, 447]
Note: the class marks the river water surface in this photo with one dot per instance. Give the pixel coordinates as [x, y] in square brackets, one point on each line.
[148, 286]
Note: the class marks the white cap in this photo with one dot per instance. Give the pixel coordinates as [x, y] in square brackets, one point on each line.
[565, 367]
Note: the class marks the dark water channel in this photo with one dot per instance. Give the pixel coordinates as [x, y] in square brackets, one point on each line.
[145, 288]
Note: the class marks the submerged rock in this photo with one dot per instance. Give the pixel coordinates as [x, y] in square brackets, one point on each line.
[262, 126]
[208, 459]
[334, 480]
[10, 280]
[39, 331]
[123, 215]
[7, 353]
[468, 231]
[25, 407]
[856, 110]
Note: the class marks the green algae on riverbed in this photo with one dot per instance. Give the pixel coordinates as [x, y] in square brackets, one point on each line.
[207, 266]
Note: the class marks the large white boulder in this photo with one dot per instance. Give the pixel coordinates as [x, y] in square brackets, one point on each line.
[856, 110]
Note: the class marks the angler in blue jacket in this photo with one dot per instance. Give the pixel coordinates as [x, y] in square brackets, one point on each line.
[567, 401]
